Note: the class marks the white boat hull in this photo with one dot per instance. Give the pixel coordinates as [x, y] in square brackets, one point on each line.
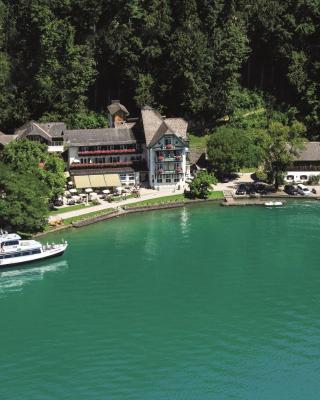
[273, 203]
[55, 251]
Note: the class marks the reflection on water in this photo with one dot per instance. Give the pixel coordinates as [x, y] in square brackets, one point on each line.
[14, 280]
[184, 221]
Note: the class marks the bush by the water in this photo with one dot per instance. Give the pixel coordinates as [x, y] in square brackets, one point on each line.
[313, 180]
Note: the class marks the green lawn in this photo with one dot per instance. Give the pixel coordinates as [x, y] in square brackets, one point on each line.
[78, 218]
[160, 200]
[172, 199]
[68, 208]
[216, 195]
[248, 170]
[198, 142]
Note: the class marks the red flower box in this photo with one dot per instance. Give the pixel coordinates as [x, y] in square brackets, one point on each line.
[93, 152]
[169, 146]
[101, 165]
[160, 158]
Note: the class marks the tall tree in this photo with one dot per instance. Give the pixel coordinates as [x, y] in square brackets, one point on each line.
[33, 157]
[23, 200]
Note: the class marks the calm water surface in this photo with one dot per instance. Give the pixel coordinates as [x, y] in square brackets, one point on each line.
[197, 303]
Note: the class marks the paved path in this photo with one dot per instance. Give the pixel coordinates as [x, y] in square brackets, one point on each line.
[145, 195]
[148, 194]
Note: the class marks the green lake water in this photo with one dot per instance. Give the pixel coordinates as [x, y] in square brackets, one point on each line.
[198, 303]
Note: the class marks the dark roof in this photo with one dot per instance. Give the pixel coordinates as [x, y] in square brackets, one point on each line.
[197, 157]
[105, 136]
[115, 107]
[310, 152]
[48, 130]
[5, 139]
[155, 126]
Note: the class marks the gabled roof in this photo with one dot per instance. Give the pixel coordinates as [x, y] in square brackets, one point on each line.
[106, 136]
[155, 126]
[6, 139]
[47, 130]
[178, 126]
[116, 106]
[310, 152]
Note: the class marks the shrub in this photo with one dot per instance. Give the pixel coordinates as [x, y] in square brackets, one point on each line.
[261, 176]
[313, 180]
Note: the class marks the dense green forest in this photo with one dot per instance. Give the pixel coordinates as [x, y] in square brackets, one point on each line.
[66, 59]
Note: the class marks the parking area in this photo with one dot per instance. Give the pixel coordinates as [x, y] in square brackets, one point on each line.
[243, 185]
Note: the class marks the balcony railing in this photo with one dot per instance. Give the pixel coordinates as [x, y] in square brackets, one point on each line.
[169, 171]
[138, 165]
[94, 152]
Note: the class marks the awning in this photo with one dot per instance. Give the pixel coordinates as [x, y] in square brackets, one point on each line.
[112, 180]
[97, 181]
[82, 182]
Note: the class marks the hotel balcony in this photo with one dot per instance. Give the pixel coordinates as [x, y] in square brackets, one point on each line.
[101, 152]
[162, 171]
[138, 165]
[55, 149]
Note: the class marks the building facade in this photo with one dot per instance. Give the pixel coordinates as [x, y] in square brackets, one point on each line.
[49, 133]
[305, 164]
[167, 149]
[110, 151]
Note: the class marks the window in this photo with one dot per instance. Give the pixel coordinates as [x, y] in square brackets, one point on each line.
[167, 141]
[159, 179]
[11, 243]
[135, 158]
[176, 178]
[303, 177]
[114, 159]
[131, 177]
[168, 179]
[290, 177]
[36, 251]
[123, 177]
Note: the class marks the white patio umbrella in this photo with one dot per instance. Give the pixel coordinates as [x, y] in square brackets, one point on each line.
[73, 191]
[88, 190]
[70, 183]
[106, 191]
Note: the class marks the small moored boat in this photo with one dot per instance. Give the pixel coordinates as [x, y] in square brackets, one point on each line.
[273, 203]
[14, 250]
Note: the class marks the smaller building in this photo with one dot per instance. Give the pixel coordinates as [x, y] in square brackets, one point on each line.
[49, 133]
[306, 164]
[6, 139]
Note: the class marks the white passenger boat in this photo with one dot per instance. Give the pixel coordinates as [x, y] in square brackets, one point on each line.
[14, 250]
[273, 203]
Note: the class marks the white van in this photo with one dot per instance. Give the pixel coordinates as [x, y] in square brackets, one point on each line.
[303, 190]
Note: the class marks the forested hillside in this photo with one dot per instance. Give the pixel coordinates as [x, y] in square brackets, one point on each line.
[61, 58]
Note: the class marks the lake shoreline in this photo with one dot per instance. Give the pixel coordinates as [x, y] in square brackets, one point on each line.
[239, 202]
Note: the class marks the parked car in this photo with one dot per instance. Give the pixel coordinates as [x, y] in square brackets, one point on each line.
[303, 190]
[242, 189]
[291, 190]
[260, 187]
